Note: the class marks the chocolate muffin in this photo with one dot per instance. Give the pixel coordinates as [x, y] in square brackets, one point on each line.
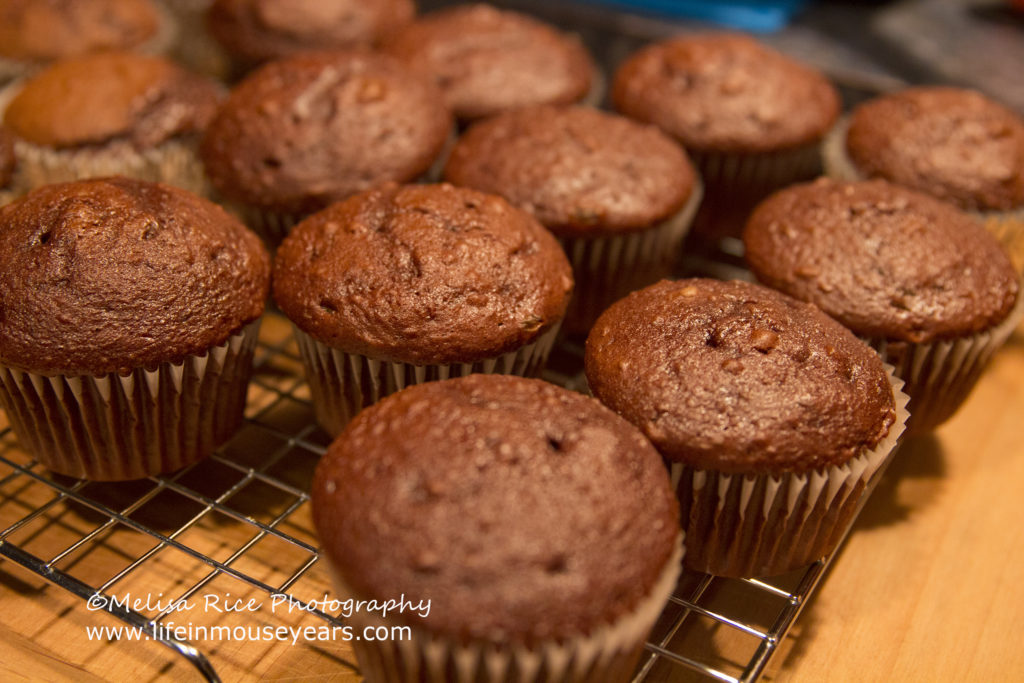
[488, 60]
[772, 416]
[921, 280]
[541, 526]
[301, 133]
[954, 144]
[401, 285]
[618, 194]
[36, 32]
[255, 31]
[112, 113]
[751, 118]
[129, 318]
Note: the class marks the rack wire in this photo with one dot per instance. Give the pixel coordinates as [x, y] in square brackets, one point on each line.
[219, 514]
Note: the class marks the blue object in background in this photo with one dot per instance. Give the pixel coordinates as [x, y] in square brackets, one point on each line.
[749, 15]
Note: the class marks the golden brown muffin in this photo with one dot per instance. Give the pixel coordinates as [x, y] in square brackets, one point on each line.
[110, 97]
[45, 30]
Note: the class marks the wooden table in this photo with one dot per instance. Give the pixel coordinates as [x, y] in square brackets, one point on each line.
[928, 587]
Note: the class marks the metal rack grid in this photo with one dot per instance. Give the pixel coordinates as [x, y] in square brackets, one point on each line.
[722, 629]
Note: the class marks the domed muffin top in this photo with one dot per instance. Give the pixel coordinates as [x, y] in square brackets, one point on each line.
[112, 95]
[424, 274]
[300, 133]
[727, 93]
[109, 275]
[44, 30]
[951, 143]
[884, 260]
[258, 30]
[739, 378]
[578, 170]
[525, 512]
[488, 60]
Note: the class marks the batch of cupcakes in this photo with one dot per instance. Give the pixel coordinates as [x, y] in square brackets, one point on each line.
[433, 201]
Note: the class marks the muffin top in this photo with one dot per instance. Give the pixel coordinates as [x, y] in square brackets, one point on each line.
[525, 512]
[43, 30]
[578, 170]
[726, 93]
[300, 133]
[258, 30]
[886, 261]
[114, 95]
[113, 274]
[738, 378]
[954, 144]
[7, 160]
[423, 274]
[488, 60]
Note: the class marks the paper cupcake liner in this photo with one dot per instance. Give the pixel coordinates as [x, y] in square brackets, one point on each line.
[1005, 226]
[174, 161]
[598, 90]
[609, 654]
[608, 268]
[735, 183]
[161, 43]
[342, 383]
[939, 376]
[114, 427]
[761, 525]
[271, 226]
[435, 173]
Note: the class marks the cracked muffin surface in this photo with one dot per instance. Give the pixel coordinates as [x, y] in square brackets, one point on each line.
[739, 378]
[422, 274]
[301, 133]
[886, 261]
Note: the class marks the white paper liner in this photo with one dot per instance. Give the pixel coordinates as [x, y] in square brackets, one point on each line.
[1006, 226]
[762, 525]
[939, 376]
[609, 654]
[114, 427]
[271, 226]
[342, 383]
[608, 268]
[161, 43]
[435, 173]
[174, 161]
[598, 89]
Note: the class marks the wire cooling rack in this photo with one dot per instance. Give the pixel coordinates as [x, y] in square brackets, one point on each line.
[238, 523]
